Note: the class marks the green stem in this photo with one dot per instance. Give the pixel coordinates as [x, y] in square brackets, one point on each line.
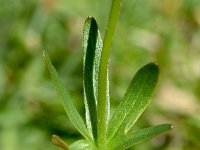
[101, 109]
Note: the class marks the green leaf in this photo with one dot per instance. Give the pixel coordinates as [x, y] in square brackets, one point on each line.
[134, 102]
[82, 145]
[103, 98]
[68, 105]
[92, 43]
[90, 36]
[140, 135]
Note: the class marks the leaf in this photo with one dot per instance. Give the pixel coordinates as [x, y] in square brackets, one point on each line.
[82, 145]
[90, 34]
[140, 135]
[92, 44]
[56, 140]
[134, 102]
[68, 105]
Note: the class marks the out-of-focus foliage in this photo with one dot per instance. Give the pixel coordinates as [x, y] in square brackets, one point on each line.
[166, 31]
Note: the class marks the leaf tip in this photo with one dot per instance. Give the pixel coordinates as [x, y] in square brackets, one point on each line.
[43, 52]
[171, 126]
[153, 66]
[91, 20]
[168, 126]
[56, 140]
[45, 56]
[89, 17]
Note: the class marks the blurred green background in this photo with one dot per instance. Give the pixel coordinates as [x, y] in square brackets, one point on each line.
[164, 31]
